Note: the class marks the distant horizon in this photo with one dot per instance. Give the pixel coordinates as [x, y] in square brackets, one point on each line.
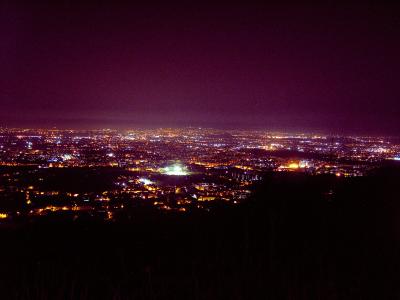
[225, 127]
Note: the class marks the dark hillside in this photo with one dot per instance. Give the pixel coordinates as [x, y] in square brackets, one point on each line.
[300, 237]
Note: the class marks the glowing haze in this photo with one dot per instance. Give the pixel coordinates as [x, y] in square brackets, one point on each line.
[289, 66]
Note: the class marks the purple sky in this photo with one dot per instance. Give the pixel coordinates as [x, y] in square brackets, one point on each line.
[289, 67]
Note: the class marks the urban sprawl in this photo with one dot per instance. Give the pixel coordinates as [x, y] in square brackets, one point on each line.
[103, 173]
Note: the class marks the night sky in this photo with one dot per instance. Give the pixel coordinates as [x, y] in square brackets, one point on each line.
[330, 68]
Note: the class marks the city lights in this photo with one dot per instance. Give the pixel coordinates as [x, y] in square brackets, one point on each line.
[175, 170]
[145, 181]
[222, 166]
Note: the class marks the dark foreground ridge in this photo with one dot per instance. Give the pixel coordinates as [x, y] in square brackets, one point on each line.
[300, 237]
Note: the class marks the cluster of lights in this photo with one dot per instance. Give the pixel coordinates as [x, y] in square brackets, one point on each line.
[66, 157]
[175, 170]
[145, 181]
